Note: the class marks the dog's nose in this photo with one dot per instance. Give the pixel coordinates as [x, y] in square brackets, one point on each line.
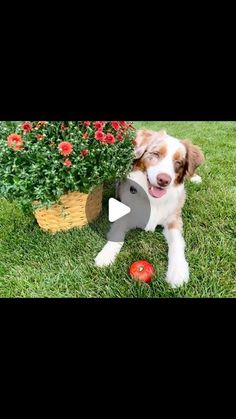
[163, 179]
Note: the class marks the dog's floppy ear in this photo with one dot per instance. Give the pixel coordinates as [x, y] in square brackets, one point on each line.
[194, 157]
[141, 142]
[143, 139]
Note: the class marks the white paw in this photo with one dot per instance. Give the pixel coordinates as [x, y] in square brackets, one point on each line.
[151, 228]
[151, 225]
[108, 254]
[178, 274]
[196, 179]
[103, 260]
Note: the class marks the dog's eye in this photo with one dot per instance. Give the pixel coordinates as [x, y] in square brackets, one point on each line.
[154, 155]
[133, 190]
[178, 164]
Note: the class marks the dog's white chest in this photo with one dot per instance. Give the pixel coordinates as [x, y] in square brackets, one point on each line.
[161, 210]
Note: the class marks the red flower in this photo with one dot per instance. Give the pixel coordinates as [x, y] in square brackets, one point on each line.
[26, 126]
[124, 124]
[85, 136]
[87, 123]
[15, 142]
[99, 125]
[40, 124]
[120, 136]
[110, 139]
[67, 163]
[115, 125]
[100, 136]
[40, 137]
[65, 148]
[134, 142]
[63, 127]
[84, 152]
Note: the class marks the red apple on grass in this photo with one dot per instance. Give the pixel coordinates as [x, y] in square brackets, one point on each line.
[141, 271]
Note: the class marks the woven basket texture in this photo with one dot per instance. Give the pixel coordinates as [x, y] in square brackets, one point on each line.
[75, 209]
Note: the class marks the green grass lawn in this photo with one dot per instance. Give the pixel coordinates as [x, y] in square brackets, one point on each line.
[36, 264]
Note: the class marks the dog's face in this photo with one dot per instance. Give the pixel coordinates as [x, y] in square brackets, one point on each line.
[165, 159]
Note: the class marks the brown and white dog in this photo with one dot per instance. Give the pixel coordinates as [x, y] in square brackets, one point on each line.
[161, 164]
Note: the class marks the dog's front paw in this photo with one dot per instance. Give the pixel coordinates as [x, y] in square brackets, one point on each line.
[108, 254]
[104, 259]
[150, 229]
[178, 274]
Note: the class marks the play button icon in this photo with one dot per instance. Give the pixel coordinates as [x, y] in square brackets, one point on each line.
[117, 210]
[125, 206]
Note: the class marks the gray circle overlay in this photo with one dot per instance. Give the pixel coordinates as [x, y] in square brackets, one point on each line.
[134, 196]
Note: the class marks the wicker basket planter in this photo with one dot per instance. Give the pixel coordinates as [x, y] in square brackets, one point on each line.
[41, 161]
[76, 209]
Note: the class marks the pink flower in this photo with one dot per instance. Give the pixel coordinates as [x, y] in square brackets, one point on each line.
[124, 124]
[67, 163]
[40, 124]
[110, 139]
[65, 148]
[26, 126]
[87, 123]
[120, 136]
[84, 152]
[115, 125]
[99, 125]
[15, 142]
[40, 137]
[63, 127]
[100, 136]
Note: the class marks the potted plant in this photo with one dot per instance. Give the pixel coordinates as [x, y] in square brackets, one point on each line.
[54, 165]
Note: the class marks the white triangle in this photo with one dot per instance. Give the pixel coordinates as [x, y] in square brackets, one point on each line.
[116, 210]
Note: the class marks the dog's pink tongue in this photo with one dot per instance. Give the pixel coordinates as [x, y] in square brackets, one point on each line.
[157, 192]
